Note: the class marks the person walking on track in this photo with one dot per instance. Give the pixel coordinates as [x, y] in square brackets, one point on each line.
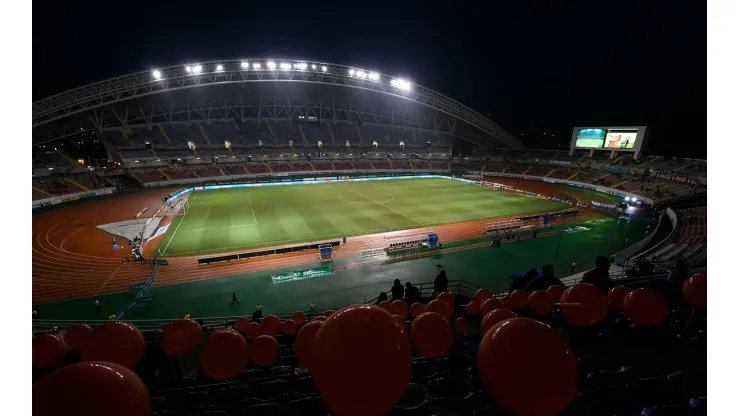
[234, 299]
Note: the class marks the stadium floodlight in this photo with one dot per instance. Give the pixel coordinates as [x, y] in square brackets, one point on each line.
[256, 65]
[271, 65]
[351, 72]
[245, 65]
[188, 69]
[284, 66]
[197, 69]
[302, 66]
[324, 68]
[361, 74]
[313, 66]
[374, 76]
[219, 68]
[157, 74]
[626, 198]
[401, 84]
[634, 199]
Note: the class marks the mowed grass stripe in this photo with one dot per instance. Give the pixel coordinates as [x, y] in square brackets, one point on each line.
[224, 220]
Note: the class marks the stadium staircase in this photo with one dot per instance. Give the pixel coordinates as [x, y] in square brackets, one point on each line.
[311, 164]
[153, 152]
[600, 177]
[582, 158]
[269, 168]
[272, 133]
[390, 163]
[555, 155]
[359, 133]
[332, 165]
[551, 172]
[41, 191]
[203, 132]
[165, 174]
[331, 132]
[195, 152]
[77, 184]
[611, 162]
[70, 159]
[220, 169]
[483, 166]
[505, 169]
[528, 169]
[303, 134]
[371, 164]
[621, 183]
[449, 165]
[290, 165]
[165, 135]
[246, 170]
[195, 174]
[128, 139]
[572, 176]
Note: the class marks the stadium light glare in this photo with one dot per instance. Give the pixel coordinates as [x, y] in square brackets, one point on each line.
[245, 65]
[626, 198]
[374, 76]
[271, 65]
[361, 74]
[157, 74]
[351, 72]
[256, 65]
[634, 199]
[324, 68]
[313, 66]
[197, 69]
[401, 84]
[188, 69]
[302, 66]
[219, 68]
[284, 66]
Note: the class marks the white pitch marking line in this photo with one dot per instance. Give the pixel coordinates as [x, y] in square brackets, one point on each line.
[384, 205]
[252, 208]
[175, 232]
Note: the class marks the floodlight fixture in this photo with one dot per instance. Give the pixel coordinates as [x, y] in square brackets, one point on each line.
[284, 66]
[271, 65]
[302, 66]
[245, 65]
[256, 65]
[324, 68]
[197, 69]
[157, 74]
[188, 69]
[313, 66]
[374, 76]
[361, 74]
[401, 84]
[351, 72]
[219, 68]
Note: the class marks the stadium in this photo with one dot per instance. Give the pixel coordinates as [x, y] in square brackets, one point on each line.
[307, 188]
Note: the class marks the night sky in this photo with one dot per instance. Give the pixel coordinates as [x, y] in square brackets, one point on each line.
[532, 66]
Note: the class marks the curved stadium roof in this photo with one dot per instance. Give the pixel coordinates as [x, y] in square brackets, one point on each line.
[260, 88]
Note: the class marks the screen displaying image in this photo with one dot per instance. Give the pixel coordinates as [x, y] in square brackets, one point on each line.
[591, 138]
[620, 139]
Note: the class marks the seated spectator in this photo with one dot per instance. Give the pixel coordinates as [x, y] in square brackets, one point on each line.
[440, 282]
[412, 293]
[257, 315]
[397, 290]
[546, 280]
[599, 276]
[382, 297]
[522, 282]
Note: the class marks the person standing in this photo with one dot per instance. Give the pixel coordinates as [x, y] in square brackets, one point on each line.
[234, 299]
[573, 268]
[97, 305]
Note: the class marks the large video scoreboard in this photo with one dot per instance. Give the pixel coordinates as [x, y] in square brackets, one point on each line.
[612, 139]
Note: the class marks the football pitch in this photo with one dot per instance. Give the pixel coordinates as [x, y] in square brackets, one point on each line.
[246, 218]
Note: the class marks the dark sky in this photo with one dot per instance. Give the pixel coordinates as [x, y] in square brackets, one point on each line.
[558, 63]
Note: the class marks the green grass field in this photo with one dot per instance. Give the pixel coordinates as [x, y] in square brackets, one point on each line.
[245, 218]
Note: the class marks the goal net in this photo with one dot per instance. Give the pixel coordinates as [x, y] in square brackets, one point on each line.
[184, 206]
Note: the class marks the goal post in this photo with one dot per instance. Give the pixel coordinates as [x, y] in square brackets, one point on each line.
[185, 207]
